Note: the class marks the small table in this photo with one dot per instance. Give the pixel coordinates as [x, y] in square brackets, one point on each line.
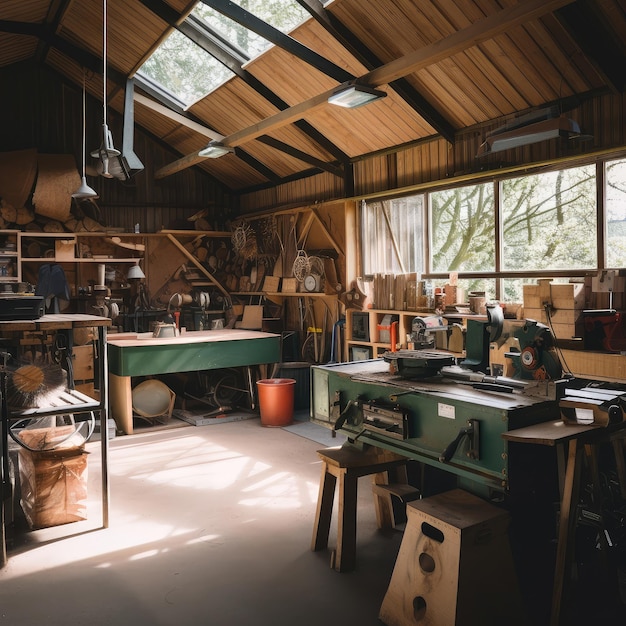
[574, 437]
[132, 354]
[57, 323]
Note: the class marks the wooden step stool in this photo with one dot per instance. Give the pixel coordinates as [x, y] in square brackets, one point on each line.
[347, 465]
[384, 495]
[454, 566]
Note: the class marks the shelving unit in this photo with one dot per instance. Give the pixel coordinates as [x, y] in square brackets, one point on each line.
[78, 253]
[10, 269]
[67, 401]
[363, 331]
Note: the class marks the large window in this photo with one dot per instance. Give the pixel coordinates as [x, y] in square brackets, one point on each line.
[492, 233]
[615, 190]
[393, 236]
[547, 219]
[187, 72]
[462, 228]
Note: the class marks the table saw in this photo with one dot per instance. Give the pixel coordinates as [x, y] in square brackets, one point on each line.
[446, 424]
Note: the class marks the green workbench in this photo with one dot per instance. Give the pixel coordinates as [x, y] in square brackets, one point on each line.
[132, 354]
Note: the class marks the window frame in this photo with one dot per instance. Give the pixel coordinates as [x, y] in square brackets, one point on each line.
[496, 178]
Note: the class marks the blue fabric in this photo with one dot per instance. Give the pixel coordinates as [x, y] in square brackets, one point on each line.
[52, 284]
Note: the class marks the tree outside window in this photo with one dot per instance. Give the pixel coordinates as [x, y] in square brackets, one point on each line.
[549, 220]
[615, 190]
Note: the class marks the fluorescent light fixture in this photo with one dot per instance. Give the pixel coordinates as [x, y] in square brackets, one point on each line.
[552, 128]
[351, 96]
[215, 149]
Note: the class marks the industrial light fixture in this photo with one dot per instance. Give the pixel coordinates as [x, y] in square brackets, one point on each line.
[215, 149]
[135, 272]
[509, 137]
[352, 95]
[84, 191]
[107, 150]
[127, 164]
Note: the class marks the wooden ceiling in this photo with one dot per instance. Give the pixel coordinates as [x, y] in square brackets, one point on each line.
[445, 65]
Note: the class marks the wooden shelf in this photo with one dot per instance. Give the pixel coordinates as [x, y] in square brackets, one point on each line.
[197, 233]
[301, 294]
[374, 320]
[79, 260]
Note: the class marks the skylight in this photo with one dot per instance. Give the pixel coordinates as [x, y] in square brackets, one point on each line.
[283, 15]
[184, 69]
[188, 72]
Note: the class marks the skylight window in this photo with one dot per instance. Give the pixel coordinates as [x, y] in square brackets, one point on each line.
[188, 72]
[184, 69]
[283, 15]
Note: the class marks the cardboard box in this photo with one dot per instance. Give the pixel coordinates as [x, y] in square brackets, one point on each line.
[53, 486]
[64, 249]
[559, 295]
[565, 323]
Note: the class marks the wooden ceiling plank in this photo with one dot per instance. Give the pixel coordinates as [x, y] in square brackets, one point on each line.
[481, 30]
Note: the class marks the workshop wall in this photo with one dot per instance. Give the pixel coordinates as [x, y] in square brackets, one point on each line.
[44, 113]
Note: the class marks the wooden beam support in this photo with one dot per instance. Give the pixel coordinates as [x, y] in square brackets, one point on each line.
[328, 234]
[161, 109]
[197, 263]
[479, 31]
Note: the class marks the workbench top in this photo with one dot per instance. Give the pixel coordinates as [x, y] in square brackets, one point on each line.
[124, 340]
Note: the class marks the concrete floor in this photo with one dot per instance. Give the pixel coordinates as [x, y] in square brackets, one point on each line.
[208, 525]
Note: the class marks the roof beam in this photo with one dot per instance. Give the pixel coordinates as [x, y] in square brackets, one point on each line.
[197, 31]
[165, 111]
[481, 30]
[363, 53]
[212, 42]
[585, 25]
[253, 23]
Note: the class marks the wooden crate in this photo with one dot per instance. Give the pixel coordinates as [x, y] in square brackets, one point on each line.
[64, 249]
[565, 323]
[558, 295]
[82, 362]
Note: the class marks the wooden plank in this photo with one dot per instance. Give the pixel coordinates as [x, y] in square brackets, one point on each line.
[596, 365]
[547, 433]
[199, 265]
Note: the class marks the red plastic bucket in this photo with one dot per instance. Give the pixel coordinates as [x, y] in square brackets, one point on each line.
[276, 401]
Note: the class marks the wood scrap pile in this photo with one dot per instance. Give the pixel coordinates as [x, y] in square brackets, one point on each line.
[36, 194]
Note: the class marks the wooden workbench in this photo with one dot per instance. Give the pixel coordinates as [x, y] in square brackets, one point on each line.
[574, 437]
[142, 354]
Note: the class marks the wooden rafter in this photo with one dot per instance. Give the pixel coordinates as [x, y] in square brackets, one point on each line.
[479, 31]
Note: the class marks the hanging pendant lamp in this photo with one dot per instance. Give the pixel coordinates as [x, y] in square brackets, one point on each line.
[84, 191]
[106, 150]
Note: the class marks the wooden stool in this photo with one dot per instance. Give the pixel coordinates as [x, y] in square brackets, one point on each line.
[348, 465]
[385, 493]
[454, 566]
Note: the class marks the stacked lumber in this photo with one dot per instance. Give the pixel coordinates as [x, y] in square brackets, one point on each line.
[395, 292]
[36, 194]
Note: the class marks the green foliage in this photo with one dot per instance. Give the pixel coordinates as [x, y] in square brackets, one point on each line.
[189, 72]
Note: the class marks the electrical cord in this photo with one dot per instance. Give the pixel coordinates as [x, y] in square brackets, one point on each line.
[547, 308]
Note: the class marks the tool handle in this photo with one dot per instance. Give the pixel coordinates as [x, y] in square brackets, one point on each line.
[448, 453]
